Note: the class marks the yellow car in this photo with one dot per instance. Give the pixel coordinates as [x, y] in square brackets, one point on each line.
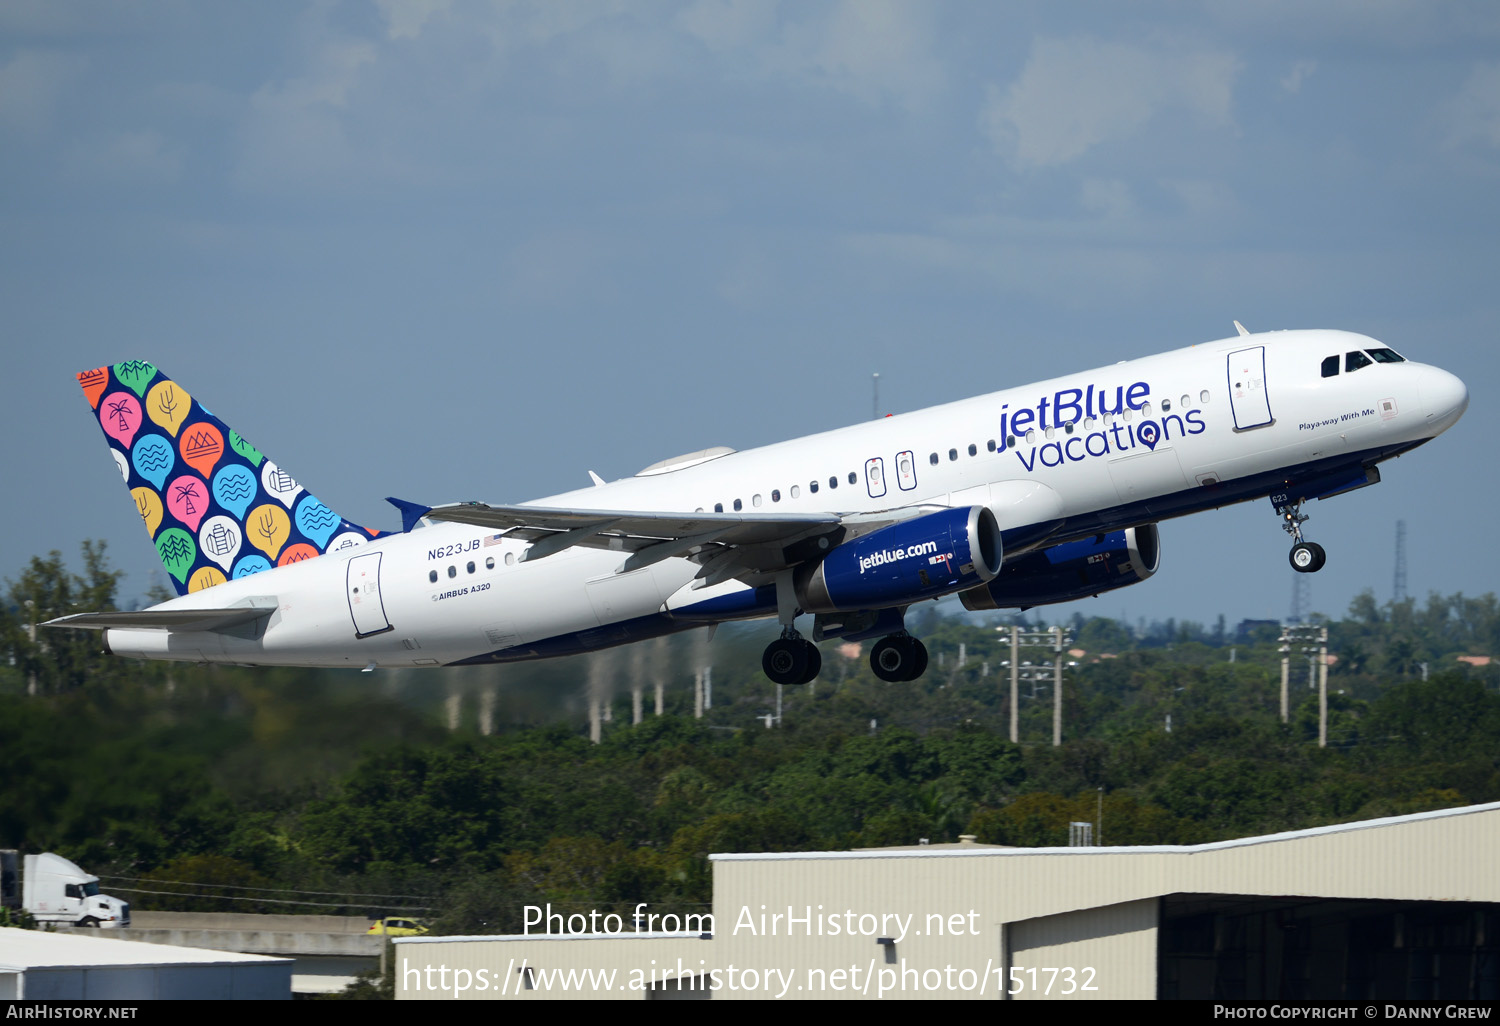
[395, 926]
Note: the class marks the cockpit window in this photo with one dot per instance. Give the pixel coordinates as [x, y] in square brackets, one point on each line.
[1355, 360]
[1386, 356]
[1331, 366]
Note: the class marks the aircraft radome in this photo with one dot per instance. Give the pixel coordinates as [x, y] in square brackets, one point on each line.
[1037, 494]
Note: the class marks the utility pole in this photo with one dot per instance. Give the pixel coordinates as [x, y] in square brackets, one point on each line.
[1312, 641]
[1055, 638]
[1057, 644]
[1015, 697]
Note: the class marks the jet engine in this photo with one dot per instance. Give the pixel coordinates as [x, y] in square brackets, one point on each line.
[926, 557]
[1072, 570]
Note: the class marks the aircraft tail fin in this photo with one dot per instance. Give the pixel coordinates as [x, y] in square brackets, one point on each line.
[214, 505]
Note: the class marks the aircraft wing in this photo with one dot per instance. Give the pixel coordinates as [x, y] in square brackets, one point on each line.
[726, 545]
[165, 619]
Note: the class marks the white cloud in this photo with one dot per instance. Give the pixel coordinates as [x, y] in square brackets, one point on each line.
[295, 128]
[728, 24]
[1301, 72]
[31, 84]
[1473, 116]
[142, 157]
[876, 50]
[1075, 94]
[1110, 198]
[404, 19]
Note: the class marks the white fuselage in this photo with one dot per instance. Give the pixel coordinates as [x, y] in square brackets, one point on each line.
[1221, 440]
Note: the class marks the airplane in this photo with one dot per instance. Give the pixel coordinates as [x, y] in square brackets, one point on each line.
[1036, 494]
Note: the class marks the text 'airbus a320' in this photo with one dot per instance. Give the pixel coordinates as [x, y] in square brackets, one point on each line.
[1044, 493]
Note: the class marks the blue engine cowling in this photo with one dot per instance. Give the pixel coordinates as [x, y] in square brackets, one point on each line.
[926, 557]
[1072, 570]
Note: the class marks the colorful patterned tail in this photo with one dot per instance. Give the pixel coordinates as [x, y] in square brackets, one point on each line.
[215, 507]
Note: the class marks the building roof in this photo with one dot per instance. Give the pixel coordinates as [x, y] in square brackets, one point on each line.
[21, 950]
[983, 851]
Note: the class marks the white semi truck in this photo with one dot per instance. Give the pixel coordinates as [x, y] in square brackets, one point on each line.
[54, 890]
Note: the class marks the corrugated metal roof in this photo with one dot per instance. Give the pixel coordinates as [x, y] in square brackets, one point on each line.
[967, 851]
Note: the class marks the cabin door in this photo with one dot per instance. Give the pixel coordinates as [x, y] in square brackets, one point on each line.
[1247, 388]
[365, 602]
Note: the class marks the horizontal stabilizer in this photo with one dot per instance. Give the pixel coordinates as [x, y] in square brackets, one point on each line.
[165, 619]
[411, 512]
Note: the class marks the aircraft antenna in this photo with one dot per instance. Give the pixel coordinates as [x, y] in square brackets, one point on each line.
[1398, 586]
[875, 403]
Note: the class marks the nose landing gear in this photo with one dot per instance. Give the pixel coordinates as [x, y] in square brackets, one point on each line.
[1306, 557]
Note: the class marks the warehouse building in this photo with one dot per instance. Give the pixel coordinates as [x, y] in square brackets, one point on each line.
[40, 966]
[1398, 908]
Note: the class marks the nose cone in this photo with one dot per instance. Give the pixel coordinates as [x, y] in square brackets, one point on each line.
[1444, 396]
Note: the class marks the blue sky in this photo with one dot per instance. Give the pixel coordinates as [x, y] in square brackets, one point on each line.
[456, 250]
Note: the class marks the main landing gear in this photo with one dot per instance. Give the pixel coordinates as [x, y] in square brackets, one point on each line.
[1306, 557]
[898, 657]
[791, 659]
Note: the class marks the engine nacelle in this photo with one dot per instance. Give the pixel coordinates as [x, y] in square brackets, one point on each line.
[926, 557]
[1072, 570]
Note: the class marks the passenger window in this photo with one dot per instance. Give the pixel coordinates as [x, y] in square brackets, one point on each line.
[470, 567]
[1355, 360]
[510, 559]
[990, 445]
[833, 482]
[432, 576]
[796, 491]
[1010, 441]
[775, 494]
[1166, 406]
[1049, 432]
[853, 477]
[1031, 436]
[1331, 366]
[973, 449]
[738, 505]
[1203, 397]
[1068, 428]
[812, 486]
[952, 454]
[933, 459]
[755, 500]
[453, 571]
[489, 562]
[1185, 400]
[718, 507]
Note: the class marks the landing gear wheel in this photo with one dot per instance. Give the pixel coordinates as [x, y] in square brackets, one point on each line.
[919, 666]
[1307, 557]
[785, 660]
[899, 657]
[814, 663]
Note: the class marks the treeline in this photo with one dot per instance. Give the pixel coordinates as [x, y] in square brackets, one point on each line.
[297, 791]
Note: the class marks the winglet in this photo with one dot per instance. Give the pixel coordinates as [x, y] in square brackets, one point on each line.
[411, 512]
